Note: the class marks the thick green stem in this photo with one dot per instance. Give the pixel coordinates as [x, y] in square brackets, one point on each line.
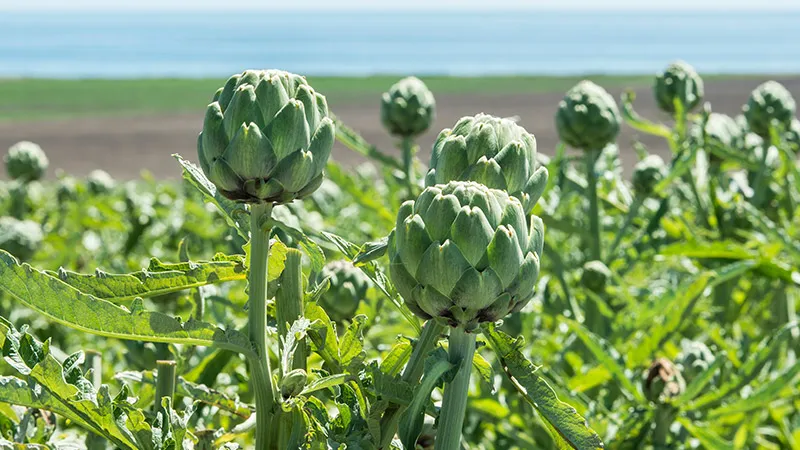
[594, 210]
[261, 382]
[409, 151]
[665, 415]
[632, 210]
[759, 190]
[165, 383]
[454, 403]
[411, 374]
[289, 303]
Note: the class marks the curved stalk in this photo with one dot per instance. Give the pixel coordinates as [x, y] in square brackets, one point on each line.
[761, 177]
[409, 151]
[454, 403]
[261, 382]
[594, 211]
[632, 211]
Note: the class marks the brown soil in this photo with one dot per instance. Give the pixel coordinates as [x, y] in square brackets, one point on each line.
[124, 146]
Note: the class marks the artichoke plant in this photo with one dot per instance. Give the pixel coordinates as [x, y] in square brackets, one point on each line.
[266, 137]
[26, 162]
[408, 108]
[663, 382]
[595, 276]
[464, 254]
[99, 182]
[694, 359]
[647, 173]
[588, 117]
[679, 82]
[348, 287]
[21, 238]
[769, 102]
[492, 151]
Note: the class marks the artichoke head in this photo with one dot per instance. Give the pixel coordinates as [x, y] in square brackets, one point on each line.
[266, 137]
[588, 117]
[680, 82]
[348, 287]
[492, 151]
[26, 162]
[647, 173]
[663, 382]
[21, 238]
[694, 359]
[408, 108]
[595, 276]
[463, 253]
[99, 182]
[769, 102]
[293, 382]
[67, 190]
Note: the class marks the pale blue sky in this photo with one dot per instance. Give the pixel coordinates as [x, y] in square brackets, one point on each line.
[398, 4]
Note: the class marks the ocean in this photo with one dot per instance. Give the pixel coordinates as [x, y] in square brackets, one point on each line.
[172, 44]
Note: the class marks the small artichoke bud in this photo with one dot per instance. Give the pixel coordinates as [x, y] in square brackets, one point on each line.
[464, 254]
[595, 276]
[292, 383]
[694, 359]
[408, 108]
[266, 138]
[494, 152]
[679, 81]
[99, 182]
[348, 287]
[663, 382]
[21, 238]
[588, 117]
[67, 190]
[792, 136]
[26, 162]
[647, 173]
[769, 102]
[721, 131]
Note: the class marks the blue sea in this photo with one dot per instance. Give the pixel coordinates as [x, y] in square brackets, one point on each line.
[172, 44]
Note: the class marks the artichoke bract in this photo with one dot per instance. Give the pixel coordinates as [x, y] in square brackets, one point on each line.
[588, 117]
[647, 173]
[266, 137]
[408, 108]
[21, 238]
[595, 276]
[769, 102]
[463, 253]
[680, 82]
[26, 162]
[492, 151]
[348, 287]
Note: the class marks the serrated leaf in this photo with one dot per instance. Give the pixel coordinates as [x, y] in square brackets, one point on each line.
[396, 358]
[311, 248]
[351, 345]
[436, 366]
[325, 383]
[704, 434]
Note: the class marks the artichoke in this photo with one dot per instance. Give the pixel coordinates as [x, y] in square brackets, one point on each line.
[679, 81]
[769, 102]
[588, 117]
[464, 254]
[21, 238]
[492, 151]
[663, 382]
[595, 276]
[26, 162]
[99, 182]
[408, 109]
[792, 136]
[266, 138]
[348, 287]
[647, 173]
[694, 359]
[67, 190]
[292, 383]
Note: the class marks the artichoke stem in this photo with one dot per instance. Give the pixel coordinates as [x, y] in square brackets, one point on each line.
[411, 374]
[261, 382]
[165, 384]
[289, 303]
[594, 211]
[665, 415]
[759, 189]
[409, 152]
[633, 209]
[454, 403]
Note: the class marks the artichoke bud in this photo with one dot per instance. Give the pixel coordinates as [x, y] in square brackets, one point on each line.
[465, 254]
[694, 359]
[588, 117]
[266, 138]
[770, 104]
[408, 108]
[595, 276]
[348, 286]
[492, 151]
[792, 136]
[679, 82]
[21, 238]
[67, 190]
[99, 182]
[26, 162]
[293, 382]
[663, 382]
[647, 173]
[721, 131]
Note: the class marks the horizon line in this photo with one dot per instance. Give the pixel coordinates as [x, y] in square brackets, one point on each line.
[372, 9]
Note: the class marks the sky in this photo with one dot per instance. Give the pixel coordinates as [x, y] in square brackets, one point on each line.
[397, 4]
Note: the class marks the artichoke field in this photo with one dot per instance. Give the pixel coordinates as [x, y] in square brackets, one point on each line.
[498, 296]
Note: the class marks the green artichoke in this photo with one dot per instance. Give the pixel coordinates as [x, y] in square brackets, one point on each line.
[647, 173]
[492, 151]
[663, 382]
[792, 135]
[21, 238]
[723, 131]
[679, 81]
[595, 276]
[293, 382]
[67, 190]
[99, 182]
[694, 359]
[464, 254]
[26, 162]
[348, 287]
[588, 117]
[769, 102]
[408, 109]
[266, 137]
